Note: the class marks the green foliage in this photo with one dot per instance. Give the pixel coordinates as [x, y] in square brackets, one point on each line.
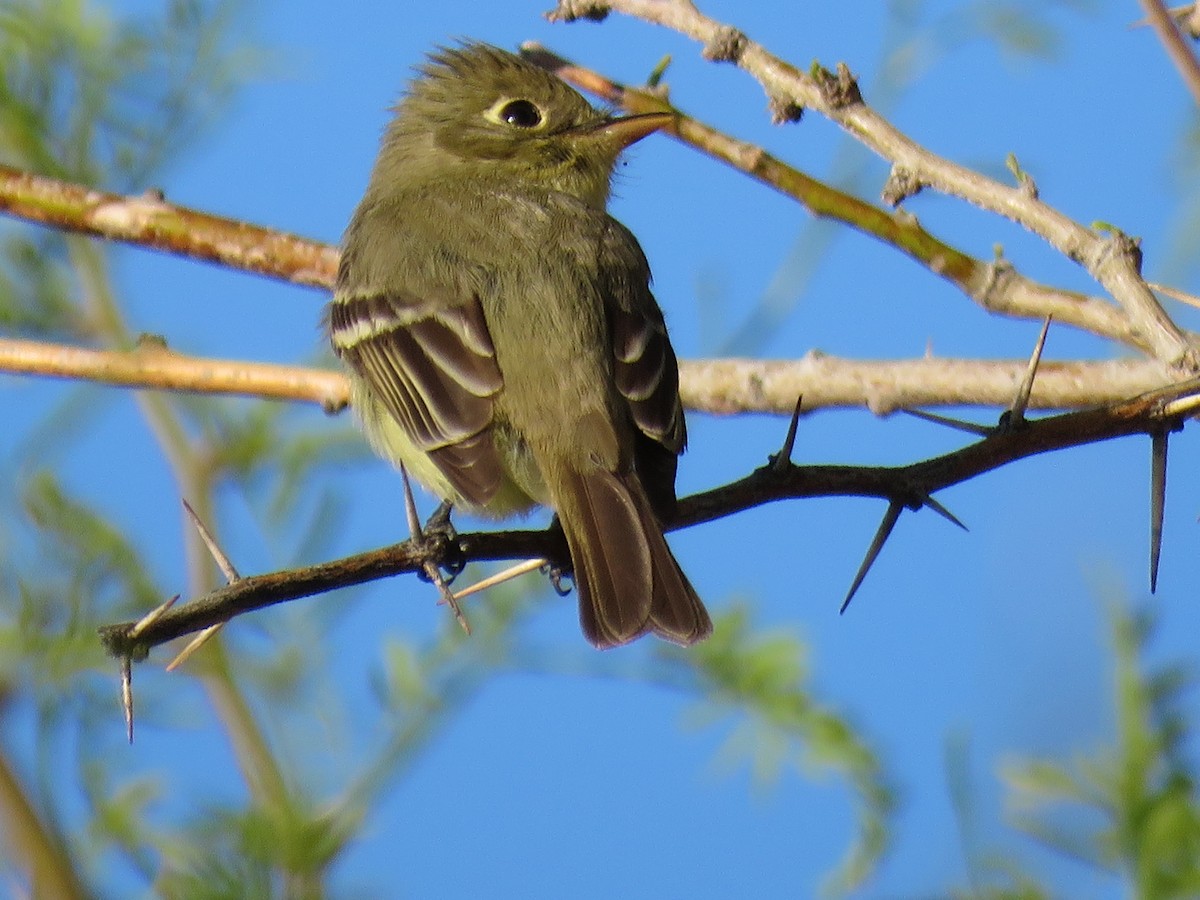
[1130, 810]
[761, 682]
[90, 97]
[1138, 798]
[106, 101]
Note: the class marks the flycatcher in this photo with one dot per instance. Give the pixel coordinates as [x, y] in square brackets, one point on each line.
[500, 332]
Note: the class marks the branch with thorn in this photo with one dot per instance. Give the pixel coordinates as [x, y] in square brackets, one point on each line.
[1114, 259]
[912, 486]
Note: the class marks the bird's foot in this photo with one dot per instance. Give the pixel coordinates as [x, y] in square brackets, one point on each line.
[439, 526]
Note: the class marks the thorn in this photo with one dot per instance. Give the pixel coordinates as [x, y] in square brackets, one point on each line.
[1181, 406]
[151, 617]
[223, 561]
[231, 575]
[530, 565]
[127, 694]
[783, 458]
[410, 507]
[881, 535]
[1016, 412]
[943, 512]
[1174, 293]
[430, 568]
[193, 645]
[1158, 500]
[448, 598]
[958, 424]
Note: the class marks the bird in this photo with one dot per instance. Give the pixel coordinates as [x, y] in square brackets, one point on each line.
[500, 333]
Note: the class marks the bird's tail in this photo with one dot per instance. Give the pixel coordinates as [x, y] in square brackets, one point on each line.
[628, 580]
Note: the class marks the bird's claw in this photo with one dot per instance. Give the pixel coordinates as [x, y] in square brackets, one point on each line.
[439, 525]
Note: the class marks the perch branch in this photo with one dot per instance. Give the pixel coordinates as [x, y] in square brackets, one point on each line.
[908, 486]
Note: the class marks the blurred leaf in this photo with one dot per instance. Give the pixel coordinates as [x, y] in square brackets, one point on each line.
[1141, 794]
[36, 292]
[760, 680]
[88, 96]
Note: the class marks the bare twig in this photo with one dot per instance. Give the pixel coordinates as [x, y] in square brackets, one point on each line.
[34, 847]
[1112, 259]
[995, 285]
[521, 568]
[152, 365]
[150, 221]
[717, 386]
[1166, 26]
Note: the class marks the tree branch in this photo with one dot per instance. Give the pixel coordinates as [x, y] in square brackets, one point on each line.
[1167, 28]
[910, 485]
[1113, 259]
[995, 285]
[149, 221]
[153, 365]
[721, 386]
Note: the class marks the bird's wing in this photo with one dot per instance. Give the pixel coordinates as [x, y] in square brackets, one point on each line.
[645, 368]
[647, 375]
[433, 368]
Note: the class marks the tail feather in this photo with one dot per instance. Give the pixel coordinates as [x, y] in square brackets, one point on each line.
[628, 580]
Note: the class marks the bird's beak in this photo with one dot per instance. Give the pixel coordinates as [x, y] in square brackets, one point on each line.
[619, 133]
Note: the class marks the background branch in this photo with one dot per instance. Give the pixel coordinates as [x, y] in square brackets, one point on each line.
[151, 364]
[150, 221]
[995, 285]
[1112, 259]
[1167, 28]
[720, 386]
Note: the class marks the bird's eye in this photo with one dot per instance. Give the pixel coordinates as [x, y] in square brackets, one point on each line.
[521, 114]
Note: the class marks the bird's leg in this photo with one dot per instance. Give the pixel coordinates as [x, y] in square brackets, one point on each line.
[556, 571]
[557, 574]
[429, 570]
[439, 524]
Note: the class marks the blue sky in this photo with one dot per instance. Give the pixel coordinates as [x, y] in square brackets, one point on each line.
[590, 787]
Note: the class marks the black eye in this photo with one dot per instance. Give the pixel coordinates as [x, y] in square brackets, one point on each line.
[521, 114]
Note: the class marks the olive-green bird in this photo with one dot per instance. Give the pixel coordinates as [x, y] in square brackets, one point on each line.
[501, 335]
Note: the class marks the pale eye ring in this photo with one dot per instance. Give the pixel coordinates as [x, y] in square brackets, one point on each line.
[520, 114]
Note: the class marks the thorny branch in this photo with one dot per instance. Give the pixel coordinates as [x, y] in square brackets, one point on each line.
[720, 385]
[910, 486]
